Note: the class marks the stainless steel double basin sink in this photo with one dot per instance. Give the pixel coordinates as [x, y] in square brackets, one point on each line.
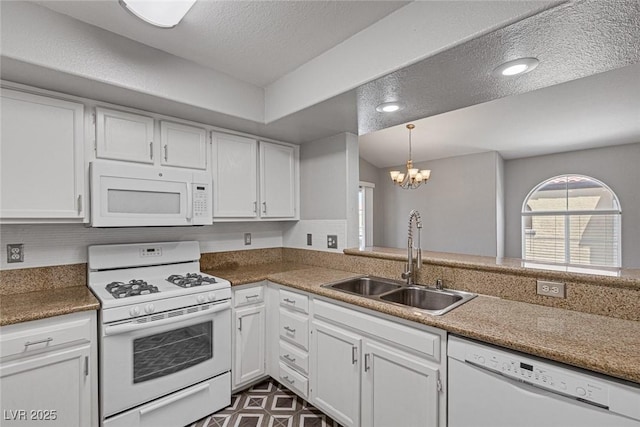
[430, 300]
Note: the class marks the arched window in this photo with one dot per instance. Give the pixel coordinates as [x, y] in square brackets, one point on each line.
[572, 219]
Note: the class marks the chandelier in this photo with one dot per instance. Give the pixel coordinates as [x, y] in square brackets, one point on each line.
[413, 178]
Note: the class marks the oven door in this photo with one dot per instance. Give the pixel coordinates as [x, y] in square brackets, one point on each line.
[144, 360]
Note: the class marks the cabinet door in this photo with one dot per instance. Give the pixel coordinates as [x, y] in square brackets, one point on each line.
[53, 389]
[124, 136]
[183, 146]
[397, 389]
[277, 181]
[249, 358]
[234, 170]
[42, 157]
[335, 373]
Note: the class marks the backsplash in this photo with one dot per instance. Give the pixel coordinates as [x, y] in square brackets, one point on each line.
[586, 296]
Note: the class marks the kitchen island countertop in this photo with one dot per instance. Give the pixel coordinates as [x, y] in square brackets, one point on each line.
[598, 343]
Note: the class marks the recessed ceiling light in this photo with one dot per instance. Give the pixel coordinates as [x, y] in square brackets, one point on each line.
[163, 14]
[517, 66]
[389, 107]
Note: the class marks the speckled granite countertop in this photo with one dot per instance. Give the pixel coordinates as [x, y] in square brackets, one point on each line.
[598, 343]
[27, 306]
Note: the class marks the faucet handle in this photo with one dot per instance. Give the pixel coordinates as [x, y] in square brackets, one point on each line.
[439, 284]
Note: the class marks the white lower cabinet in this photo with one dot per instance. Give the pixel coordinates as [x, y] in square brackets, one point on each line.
[369, 371]
[397, 386]
[335, 372]
[249, 323]
[48, 372]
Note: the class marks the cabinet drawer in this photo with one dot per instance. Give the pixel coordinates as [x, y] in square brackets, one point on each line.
[29, 337]
[252, 295]
[294, 357]
[294, 328]
[294, 301]
[293, 380]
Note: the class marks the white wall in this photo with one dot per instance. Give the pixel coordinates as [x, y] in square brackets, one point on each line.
[370, 173]
[57, 244]
[458, 206]
[617, 166]
[329, 180]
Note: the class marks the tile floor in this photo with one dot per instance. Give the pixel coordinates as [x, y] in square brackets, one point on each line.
[267, 404]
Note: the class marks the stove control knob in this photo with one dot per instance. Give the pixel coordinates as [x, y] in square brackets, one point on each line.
[149, 308]
[134, 311]
[212, 296]
[201, 299]
[581, 391]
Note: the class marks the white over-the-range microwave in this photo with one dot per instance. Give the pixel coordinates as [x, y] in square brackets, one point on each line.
[144, 196]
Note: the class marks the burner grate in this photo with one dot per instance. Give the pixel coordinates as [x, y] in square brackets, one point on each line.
[190, 280]
[131, 289]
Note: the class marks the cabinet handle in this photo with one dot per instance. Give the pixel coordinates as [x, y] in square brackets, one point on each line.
[286, 328]
[354, 355]
[166, 152]
[290, 301]
[151, 150]
[86, 366]
[252, 296]
[240, 324]
[255, 207]
[44, 341]
[366, 362]
[79, 204]
[264, 207]
[289, 358]
[289, 380]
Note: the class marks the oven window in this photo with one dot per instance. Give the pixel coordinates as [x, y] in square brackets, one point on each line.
[143, 202]
[163, 354]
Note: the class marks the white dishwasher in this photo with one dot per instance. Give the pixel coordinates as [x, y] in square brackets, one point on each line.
[493, 387]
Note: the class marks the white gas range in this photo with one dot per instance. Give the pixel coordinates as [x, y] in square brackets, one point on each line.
[165, 334]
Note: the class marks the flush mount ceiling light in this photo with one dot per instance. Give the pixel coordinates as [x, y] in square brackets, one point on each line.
[413, 178]
[517, 66]
[389, 107]
[163, 14]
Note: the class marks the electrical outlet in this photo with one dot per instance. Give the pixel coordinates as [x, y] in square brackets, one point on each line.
[309, 239]
[551, 289]
[247, 239]
[332, 241]
[15, 252]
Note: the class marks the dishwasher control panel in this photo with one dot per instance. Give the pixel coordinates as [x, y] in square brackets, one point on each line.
[539, 374]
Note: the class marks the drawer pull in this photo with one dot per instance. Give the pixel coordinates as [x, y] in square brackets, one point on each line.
[289, 380]
[252, 296]
[288, 329]
[290, 301]
[354, 355]
[289, 358]
[44, 341]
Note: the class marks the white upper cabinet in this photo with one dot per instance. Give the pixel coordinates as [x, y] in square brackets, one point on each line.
[253, 180]
[183, 146]
[124, 136]
[277, 180]
[42, 159]
[235, 176]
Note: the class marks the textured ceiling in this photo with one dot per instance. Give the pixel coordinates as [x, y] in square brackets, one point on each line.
[595, 111]
[573, 40]
[254, 41]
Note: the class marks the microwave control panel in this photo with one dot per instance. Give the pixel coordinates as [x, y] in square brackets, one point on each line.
[201, 202]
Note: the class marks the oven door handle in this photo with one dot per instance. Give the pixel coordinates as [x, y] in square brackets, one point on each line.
[128, 327]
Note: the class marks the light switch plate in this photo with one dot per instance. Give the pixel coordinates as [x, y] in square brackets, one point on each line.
[309, 239]
[247, 239]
